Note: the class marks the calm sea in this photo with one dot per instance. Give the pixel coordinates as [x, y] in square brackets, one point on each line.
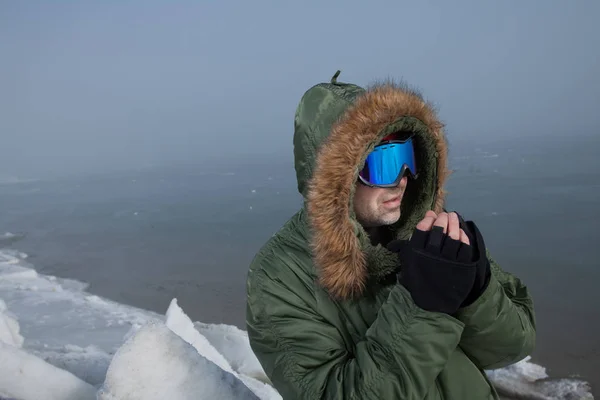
[146, 236]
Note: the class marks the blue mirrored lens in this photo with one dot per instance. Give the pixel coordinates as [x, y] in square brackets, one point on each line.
[385, 163]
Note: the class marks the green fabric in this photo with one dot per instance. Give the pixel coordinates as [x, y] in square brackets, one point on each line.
[381, 346]
[319, 108]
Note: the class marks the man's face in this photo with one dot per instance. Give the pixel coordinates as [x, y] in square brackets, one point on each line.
[378, 206]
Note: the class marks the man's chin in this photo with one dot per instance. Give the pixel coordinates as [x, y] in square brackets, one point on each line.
[391, 218]
[383, 219]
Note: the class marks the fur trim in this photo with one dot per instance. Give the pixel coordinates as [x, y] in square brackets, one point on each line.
[338, 252]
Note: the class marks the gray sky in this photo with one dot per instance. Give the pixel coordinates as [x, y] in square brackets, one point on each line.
[91, 86]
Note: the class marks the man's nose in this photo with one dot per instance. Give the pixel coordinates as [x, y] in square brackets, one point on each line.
[402, 181]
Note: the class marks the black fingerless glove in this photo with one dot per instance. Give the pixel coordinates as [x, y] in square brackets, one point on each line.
[436, 269]
[483, 274]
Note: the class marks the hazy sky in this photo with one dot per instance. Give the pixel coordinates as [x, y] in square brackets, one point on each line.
[90, 86]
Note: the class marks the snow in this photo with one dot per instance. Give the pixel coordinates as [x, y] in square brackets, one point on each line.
[58, 342]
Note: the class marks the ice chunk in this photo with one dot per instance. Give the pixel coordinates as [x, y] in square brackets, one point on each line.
[89, 364]
[9, 327]
[155, 363]
[183, 326]
[256, 380]
[526, 380]
[234, 345]
[26, 377]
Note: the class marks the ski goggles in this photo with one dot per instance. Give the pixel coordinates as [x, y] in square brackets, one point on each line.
[388, 162]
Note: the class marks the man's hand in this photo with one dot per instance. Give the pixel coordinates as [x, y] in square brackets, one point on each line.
[449, 222]
[436, 263]
[456, 227]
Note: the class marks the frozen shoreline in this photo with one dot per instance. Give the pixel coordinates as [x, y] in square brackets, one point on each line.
[68, 344]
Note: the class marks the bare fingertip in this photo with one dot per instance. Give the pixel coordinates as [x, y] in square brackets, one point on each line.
[442, 219]
[430, 214]
[464, 238]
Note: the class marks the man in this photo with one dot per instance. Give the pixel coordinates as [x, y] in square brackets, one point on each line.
[372, 290]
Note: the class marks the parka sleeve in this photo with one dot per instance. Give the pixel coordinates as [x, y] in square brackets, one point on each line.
[500, 326]
[305, 356]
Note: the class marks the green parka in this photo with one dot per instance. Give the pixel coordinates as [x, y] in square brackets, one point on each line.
[326, 317]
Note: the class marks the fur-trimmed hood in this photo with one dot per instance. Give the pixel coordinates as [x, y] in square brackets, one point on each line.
[336, 126]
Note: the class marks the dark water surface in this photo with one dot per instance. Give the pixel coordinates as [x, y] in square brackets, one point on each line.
[144, 237]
